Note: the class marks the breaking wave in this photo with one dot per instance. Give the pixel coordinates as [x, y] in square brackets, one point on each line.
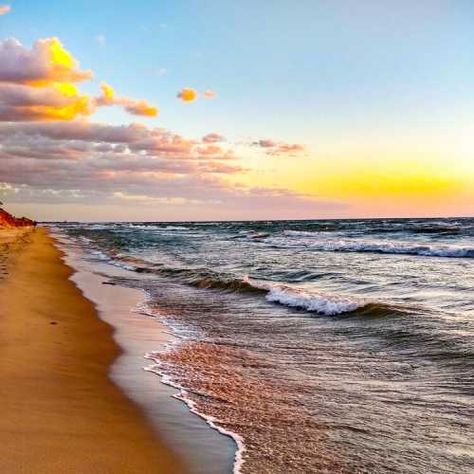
[328, 305]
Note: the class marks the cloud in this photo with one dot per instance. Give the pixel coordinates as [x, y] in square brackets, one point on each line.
[187, 94]
[134, 139]
[48, 61]
[210, 150]
[213, 138]
[40, 84]
[83, 131]
[59, 101]
[108, 94]
[133, 106]
[265, 143]
[280, 148]
[87, 162]
[209, 94]
[47, 155]
[140, 107]
[288, 148]
[4, 9]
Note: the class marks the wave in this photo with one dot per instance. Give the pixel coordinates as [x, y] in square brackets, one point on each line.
[446, 227]
[223, 282]
[301, 233]
[156, 227]
[369, 246]
[251, 234]
[329, 305]
[175, 227]
[322, 303]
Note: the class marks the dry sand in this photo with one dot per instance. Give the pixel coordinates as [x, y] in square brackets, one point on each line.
[60, 413]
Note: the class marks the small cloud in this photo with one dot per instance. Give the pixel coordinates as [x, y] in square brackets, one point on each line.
[108, 94]
[140, 107]
[4, 9]
[265, 143]
[101, 40]
[213, 138]
[279, 148]
[187, 94]
[209, 94]
[132, 106]
[289, 148]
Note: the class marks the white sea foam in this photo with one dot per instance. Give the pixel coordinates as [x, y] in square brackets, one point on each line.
[96, 226]
[156, 227]
[301, 233]
[99, 255]
[322, 303]
[183, 395]
[180, 333]
[328, 305]
[175, 227]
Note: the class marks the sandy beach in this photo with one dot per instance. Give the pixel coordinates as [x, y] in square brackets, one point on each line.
[60, 411]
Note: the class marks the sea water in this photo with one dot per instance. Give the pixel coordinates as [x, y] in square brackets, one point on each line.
[319, 346]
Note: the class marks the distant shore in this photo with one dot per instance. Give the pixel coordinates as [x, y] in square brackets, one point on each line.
[60, 411]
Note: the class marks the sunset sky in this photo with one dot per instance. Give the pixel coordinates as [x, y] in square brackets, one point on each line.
[200, 110]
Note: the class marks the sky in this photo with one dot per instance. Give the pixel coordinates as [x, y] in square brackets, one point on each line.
[200, 110]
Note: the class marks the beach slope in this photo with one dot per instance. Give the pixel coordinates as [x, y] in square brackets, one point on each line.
[60, 411]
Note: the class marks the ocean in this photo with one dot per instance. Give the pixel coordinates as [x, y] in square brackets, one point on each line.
[327, 346]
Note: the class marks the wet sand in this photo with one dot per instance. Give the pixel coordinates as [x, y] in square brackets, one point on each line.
[60, 410]
[202, 449]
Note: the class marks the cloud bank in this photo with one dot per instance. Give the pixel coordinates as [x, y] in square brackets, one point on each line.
[85, 162]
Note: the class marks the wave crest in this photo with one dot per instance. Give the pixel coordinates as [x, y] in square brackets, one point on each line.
[328, 305]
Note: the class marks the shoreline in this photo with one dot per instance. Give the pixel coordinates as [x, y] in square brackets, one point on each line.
[57, 399]
[138, 331]
[238, 459]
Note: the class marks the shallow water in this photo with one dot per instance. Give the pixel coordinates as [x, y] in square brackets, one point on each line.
[324, 346]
